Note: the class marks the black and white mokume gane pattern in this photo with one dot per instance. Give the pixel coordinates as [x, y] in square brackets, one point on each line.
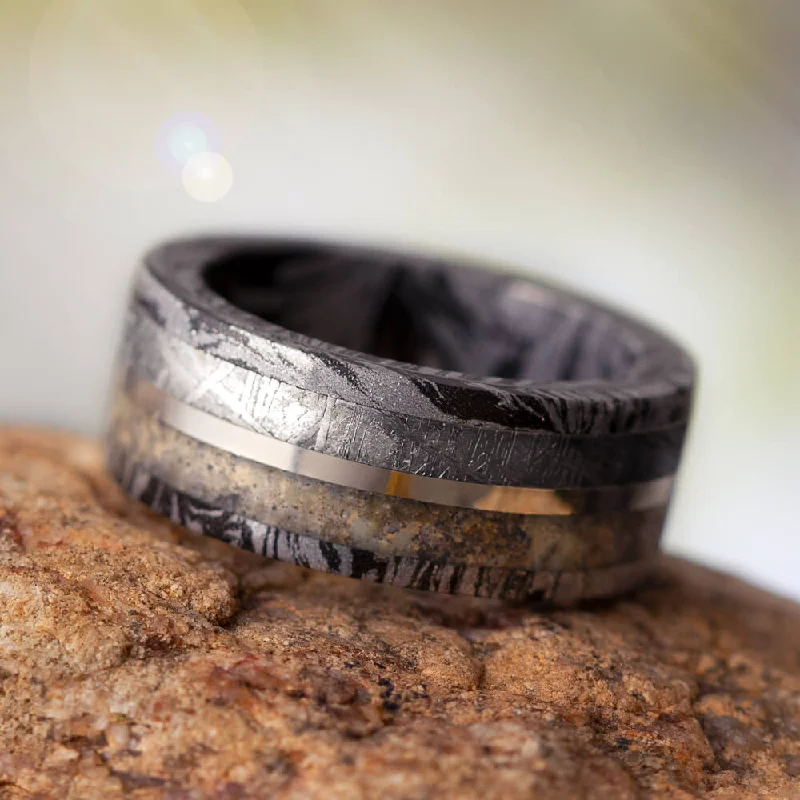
[561, 588]
[353, 359]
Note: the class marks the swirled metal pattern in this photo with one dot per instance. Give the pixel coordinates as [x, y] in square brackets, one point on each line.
[404, 408]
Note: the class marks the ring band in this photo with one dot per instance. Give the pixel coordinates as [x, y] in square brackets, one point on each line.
[322, 404]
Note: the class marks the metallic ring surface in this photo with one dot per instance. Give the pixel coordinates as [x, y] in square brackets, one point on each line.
[329, 405]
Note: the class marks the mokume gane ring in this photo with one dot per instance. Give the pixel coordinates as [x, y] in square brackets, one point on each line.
[324, 404]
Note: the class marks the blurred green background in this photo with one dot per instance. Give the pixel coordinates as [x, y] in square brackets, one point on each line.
[645, 151]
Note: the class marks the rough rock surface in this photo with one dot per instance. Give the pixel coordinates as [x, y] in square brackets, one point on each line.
[138, 660]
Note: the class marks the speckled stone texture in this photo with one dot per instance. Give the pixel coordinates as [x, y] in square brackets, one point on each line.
[137, 660]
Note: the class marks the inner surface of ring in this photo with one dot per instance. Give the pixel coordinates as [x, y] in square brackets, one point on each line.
[426, 312]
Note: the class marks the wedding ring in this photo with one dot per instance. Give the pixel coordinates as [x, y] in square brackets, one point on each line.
[410, 419]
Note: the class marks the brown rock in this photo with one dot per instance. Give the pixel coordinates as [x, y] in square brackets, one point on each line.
[137, 660]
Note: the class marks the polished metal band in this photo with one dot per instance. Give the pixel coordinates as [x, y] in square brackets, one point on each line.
[296, 460]
[557, 474]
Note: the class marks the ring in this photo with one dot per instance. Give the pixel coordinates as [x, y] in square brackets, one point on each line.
[403, 418]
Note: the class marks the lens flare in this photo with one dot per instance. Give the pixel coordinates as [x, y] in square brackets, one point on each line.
[107, 78]
[186, 140]
[183, 136]
[207, 177]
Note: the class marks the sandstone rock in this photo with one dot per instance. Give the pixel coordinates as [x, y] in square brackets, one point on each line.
[138, 660]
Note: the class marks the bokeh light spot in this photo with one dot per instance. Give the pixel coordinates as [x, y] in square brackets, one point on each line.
[207, 177]
[185, 135]
[110, 80]
[185, 140]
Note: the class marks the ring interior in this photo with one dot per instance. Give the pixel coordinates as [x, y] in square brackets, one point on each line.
[427, 312]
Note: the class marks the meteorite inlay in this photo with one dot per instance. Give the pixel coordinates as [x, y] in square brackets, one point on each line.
[332, 395]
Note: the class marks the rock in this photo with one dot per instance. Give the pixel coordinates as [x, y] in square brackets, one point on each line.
[138, 660]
